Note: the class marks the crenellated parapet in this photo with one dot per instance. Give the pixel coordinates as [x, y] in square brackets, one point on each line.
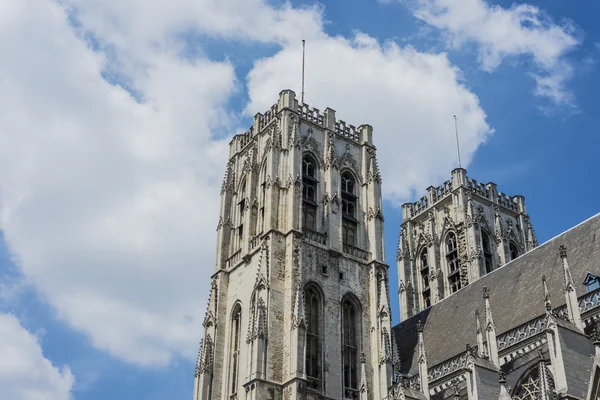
[458, 232]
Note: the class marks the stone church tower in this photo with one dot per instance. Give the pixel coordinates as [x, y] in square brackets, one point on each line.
[457, 233]
[299, 304]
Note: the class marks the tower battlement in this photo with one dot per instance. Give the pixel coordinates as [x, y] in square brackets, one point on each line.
[311, 115]
[485, 192]
[455, 234]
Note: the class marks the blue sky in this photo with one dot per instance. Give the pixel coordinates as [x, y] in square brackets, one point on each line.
[113, 135]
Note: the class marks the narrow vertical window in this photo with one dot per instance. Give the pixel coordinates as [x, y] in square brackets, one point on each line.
[349, 200]
[263, 198]
[487, 253]
[313, 338]
[242, 210]
[514, 251]
[350, 331]
[309, 193]
[452, 262]
[425, 278]
[235, 347]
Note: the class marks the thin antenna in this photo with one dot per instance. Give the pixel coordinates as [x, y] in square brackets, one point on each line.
[457, 144]
[303, 46]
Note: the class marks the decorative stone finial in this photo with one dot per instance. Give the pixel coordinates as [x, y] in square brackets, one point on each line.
[563, 251]
[546, 294]
[486, 292]
[501, 377]
[364, 389]
[419, 326]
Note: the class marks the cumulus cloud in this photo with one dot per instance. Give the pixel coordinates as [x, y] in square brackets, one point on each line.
[25, 374]
[110, 203]
[408, 97]
[109, 196]
[521, 30]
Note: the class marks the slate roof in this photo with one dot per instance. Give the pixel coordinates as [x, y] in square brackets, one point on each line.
[516, 296]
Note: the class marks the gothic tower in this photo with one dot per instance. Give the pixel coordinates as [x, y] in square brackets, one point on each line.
[299, 304]
[460, 231]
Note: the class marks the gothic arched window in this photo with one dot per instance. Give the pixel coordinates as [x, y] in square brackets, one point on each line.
[514, 251]
[452, 262]
[242, 210]
[350, 343]
[263, 197]
[349, 200]
[234, 360]
[309, 193]
[532, 384]
[425, 278]
[487, 252]
[312, 300]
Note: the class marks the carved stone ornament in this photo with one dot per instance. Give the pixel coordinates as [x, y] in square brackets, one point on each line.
[331, 156]
[294, 135]
[347, 160]
[401, 287]
[335, 203]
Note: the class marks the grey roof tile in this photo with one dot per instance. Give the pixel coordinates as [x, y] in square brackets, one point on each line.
[516, 296]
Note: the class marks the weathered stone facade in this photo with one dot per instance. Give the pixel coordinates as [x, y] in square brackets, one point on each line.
[301, 216]
[485, 228]
[299, 300]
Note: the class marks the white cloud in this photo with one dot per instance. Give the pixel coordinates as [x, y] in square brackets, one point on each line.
[408, 97]
[499, 32]
[24, 372]
[110, 203]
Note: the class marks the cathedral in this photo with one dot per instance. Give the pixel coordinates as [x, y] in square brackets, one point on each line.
[299, 304]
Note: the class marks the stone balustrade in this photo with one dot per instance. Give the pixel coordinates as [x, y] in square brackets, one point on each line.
[356, 252]
[233, 260]
[315, 236]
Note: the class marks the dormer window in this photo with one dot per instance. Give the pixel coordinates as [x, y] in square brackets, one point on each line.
[591, 282]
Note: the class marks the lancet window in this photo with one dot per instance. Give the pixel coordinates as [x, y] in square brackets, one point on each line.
[236, 323]
[242, 210]
[263, 197]
[488, 263]
[349, 201]
[452, 262]
[425, 278]
[313, 337]
[514, 250]
[309, 193]
[350, 342]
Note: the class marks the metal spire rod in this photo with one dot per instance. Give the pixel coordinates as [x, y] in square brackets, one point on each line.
[457, 144]
[303, 46]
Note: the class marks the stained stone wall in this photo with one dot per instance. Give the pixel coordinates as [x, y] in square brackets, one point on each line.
[266, 257]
